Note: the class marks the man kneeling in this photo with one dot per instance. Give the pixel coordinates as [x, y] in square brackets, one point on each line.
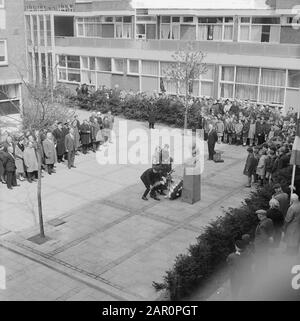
[151, 179]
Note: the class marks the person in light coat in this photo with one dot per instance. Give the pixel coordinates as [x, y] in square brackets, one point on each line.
[19, 158]
[292, 226]
[31, 162]
[50, 153]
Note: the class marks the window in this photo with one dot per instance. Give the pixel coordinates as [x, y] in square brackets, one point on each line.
[188, 19]
[293, 79]
[133, 67]
[3, 52]
[69, 68]
[262, 85]
[207, 82]
[123, 27]
[150, 68]
[168, 29]
[259, 29]
[118, 65]
[215, 28]
[104, 64]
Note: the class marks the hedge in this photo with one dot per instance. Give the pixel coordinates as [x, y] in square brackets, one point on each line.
[168, 109]
[213, 246]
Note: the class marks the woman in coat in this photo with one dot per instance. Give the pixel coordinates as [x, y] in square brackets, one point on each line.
[85, 132]
[252, 130]
[31, 162]
[19, 151]
[261, 167]
[292, 226]
[74, 125]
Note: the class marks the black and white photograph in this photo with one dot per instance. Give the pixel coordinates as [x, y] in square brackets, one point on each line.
[149, 152]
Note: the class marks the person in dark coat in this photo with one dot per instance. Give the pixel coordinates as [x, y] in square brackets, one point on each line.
[65, 130]
[59, 136]
[260, 131]
[250, 166]
[10, 168]
[70, 146]
[151, 118]
[277, 218]
[212, 138]
[85, 132]
[2, 170]
[150, 178]
[50, 153]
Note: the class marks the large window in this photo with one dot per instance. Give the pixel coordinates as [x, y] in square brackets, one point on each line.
[3, 52]
[170, 28]
[215, 28]
[105, 27]
[257, 84]
[9, 99]
[69, 68]
[259, 29]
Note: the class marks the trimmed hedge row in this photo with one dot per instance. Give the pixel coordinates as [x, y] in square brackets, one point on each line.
[213, 246]
[168, 110]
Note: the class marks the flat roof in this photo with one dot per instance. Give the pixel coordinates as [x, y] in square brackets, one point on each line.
[201, 4]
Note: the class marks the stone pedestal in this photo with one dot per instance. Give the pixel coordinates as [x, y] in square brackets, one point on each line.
[191, 192]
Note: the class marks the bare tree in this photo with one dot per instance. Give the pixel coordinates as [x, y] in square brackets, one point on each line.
[187, 67]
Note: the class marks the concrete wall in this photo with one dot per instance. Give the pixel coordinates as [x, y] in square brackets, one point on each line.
[15, 36]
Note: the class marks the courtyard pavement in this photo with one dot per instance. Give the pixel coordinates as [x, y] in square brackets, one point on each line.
[105, 242]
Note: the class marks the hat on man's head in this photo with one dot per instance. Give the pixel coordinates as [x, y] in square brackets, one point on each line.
[250, 149]
[261, 212]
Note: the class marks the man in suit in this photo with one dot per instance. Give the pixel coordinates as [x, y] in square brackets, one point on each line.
[150, 178]
[59, 135]
[50, 153]
[211, 141]
[70, 147]
[10, 167]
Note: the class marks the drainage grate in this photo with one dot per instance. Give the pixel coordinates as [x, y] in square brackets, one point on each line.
[56, 222]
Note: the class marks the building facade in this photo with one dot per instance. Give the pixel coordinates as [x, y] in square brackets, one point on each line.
[252, 47]
[12, 55]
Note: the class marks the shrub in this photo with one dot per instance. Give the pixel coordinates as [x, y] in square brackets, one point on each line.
[213, 246]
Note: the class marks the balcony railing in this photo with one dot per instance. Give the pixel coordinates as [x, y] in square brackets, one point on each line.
[234, 48]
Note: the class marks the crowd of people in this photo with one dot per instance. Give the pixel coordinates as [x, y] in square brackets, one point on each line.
[280, 223]
[20, 153]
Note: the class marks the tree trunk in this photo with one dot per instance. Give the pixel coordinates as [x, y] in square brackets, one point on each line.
[39, 194]
[186, 106]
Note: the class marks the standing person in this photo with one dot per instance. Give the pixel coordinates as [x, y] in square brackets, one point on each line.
[260, 131]
[150, 178]
[220, 130]
[263, 240]
[245, 131]
[50, 153]
[239, 263]
[70, 146]
[269, 165]
[111, 121]
[10, 167]
[85, 136]
[251, 132]
[31, 162]
[65, 130]
[19, 157]
[75, 127]
[211, 142]
[94, 131]
[292, 226]
[278, 220]
[106, 129]
[239, 131]
[261, 167]
[151, 117]
[99, 119]
[59, 137]
[2, 170]
[250, 166]
[282, 198]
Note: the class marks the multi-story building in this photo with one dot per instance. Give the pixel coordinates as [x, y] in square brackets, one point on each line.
[12, 55]
[252, 47]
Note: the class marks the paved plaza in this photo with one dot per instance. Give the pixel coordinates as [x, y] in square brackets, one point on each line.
[106, 243]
